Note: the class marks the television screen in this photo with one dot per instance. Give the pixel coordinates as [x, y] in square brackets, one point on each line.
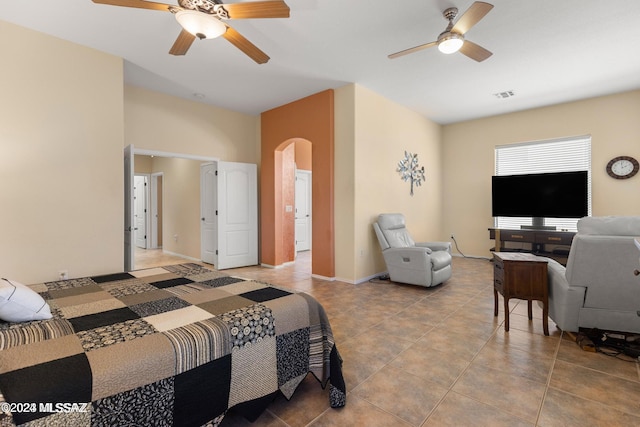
[546, 195]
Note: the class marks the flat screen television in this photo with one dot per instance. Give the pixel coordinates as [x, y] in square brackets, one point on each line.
[544, 195]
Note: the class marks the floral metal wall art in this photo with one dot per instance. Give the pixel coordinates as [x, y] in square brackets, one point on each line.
[409, 170]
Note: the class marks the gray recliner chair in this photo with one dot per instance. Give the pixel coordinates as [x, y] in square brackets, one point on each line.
[424, 264]
[598, 288]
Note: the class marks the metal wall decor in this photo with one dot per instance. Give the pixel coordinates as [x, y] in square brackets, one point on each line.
[409, 170]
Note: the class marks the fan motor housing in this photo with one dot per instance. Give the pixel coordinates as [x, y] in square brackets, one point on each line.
[450, 13]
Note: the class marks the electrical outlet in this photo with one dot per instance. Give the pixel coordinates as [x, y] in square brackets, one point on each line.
[452, 236]
[63, 274]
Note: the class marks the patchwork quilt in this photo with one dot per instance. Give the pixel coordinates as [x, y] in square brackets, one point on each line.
[170, 346]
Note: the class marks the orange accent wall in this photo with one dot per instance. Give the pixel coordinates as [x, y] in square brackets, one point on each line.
[303, 155]
[310, 118]
[289, 200]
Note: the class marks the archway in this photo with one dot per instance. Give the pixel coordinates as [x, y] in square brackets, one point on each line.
[310, 119]
[292, 155]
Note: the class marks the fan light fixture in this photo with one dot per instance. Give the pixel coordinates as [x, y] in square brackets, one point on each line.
[450, 42]
[200, 24]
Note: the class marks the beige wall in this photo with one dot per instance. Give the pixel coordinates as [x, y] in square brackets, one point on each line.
[468, 160]
[61, 174]
[65, 117]
[154, 121]
[372, 134]
[344, 179]
[143, 164]
[181, 205]
[180, 201]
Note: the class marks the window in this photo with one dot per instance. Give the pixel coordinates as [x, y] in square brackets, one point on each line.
[557, 155]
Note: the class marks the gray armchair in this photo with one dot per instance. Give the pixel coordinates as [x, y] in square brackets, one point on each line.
[598, 288]
[424, 264]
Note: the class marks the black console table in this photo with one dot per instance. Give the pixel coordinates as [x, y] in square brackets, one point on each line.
[538, 242]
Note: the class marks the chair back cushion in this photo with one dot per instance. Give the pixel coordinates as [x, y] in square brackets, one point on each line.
[602, 259]
[610, 225]
[394, 230]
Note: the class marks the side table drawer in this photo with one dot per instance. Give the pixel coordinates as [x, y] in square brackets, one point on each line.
[498, 275]
[498, 285]
[498, 270]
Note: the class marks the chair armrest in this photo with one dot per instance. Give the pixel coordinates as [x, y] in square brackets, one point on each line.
[423, 246]
[409, 265]
[415, 256]
[436, 246]
[565, 300]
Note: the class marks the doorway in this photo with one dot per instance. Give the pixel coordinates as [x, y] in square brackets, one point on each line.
[295, 163]
[134, 161]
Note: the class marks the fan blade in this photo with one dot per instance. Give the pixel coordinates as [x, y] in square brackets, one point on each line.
[257, 9]
[475, 13]
[251, 50]
[182, 43]
[411, 50]
[140, 4]
[474, 51]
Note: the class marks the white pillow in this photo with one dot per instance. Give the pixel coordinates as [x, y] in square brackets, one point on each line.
[19, 303]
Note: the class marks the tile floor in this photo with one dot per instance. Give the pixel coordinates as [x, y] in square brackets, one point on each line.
[438, 357]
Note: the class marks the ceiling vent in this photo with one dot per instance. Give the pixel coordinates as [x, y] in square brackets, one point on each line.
[505, 94]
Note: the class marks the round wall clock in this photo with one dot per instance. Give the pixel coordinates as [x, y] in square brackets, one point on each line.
[622, 167]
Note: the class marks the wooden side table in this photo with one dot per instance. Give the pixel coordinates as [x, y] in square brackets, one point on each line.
[522, 276]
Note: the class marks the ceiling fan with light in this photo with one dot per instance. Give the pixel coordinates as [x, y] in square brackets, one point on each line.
[204, 19]
[452, 38]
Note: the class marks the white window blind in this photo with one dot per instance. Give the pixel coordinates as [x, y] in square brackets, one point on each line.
[557, 155]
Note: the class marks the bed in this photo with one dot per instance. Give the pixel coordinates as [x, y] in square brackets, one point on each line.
[178, 345]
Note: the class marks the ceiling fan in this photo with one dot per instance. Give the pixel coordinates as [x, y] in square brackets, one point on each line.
[204, 19]
[452, 38]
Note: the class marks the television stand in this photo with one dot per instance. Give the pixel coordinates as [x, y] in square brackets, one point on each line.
[548, 243]
[537, 223]
[538, 227]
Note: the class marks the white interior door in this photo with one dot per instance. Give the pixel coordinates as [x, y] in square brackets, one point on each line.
[128, 209]
[208, 214]
[140, 199]
[303, 210]
[237, 215]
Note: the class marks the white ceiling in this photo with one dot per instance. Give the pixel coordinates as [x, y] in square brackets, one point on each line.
[545, 51]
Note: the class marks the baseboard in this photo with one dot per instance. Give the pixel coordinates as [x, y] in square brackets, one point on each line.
[328, 279]
[277, 266]
[470, 256]
[360, 280]
[270, 266]
[181, 256]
